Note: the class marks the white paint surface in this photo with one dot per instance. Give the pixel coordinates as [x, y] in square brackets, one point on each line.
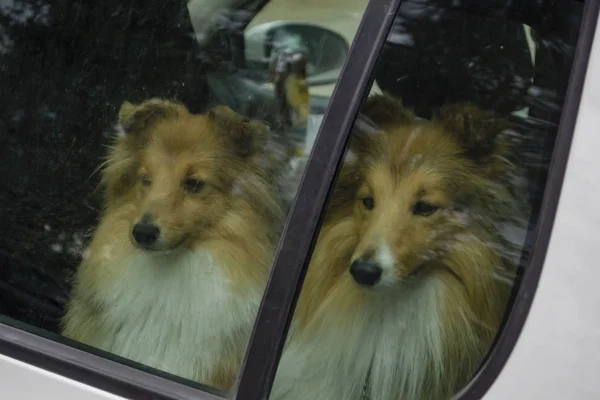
[558, 353]
[21, 381]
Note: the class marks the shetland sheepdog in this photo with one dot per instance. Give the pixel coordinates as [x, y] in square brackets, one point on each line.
[176, 268]
[409, 281]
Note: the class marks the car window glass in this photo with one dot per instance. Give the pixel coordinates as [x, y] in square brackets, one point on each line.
[149, 153]
[431, 220]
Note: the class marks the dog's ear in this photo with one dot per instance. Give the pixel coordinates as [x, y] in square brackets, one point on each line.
[363, 139]
[247, 137]
[479, 132]
[134, 119]
[126, 111]
[380, 112]
[385, 110]
[134, 123]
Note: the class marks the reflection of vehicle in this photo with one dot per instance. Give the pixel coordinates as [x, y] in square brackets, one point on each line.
[339, 17]
[324, 27]
[342, 18]
[63, 79]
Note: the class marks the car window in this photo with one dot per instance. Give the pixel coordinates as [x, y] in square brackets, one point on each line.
[151, 152]
[431, 220]
[143, 147]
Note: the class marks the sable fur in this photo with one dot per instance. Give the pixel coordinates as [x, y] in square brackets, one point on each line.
[423, 330]
[187, 309]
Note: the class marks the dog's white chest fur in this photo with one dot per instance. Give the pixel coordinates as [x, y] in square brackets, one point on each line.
[383, 349]
[176, 314]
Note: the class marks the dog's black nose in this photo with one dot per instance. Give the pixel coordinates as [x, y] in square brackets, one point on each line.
[366, 273]
[145, 233]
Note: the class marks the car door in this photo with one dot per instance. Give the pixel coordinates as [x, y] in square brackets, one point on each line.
[67, 66]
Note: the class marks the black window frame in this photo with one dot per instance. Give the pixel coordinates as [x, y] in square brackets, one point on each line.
[303, 224]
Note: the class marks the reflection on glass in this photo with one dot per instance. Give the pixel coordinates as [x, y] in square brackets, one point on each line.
[426, 231]
[163, 267]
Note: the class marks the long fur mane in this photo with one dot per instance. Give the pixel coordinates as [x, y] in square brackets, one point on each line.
[427, 340]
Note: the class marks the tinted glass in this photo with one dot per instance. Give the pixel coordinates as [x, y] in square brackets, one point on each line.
[432, 217]
[149, 152]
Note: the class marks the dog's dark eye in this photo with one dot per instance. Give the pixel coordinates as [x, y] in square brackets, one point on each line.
[423, 208]
[145, 181]
[193, 185]
[368, 202]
